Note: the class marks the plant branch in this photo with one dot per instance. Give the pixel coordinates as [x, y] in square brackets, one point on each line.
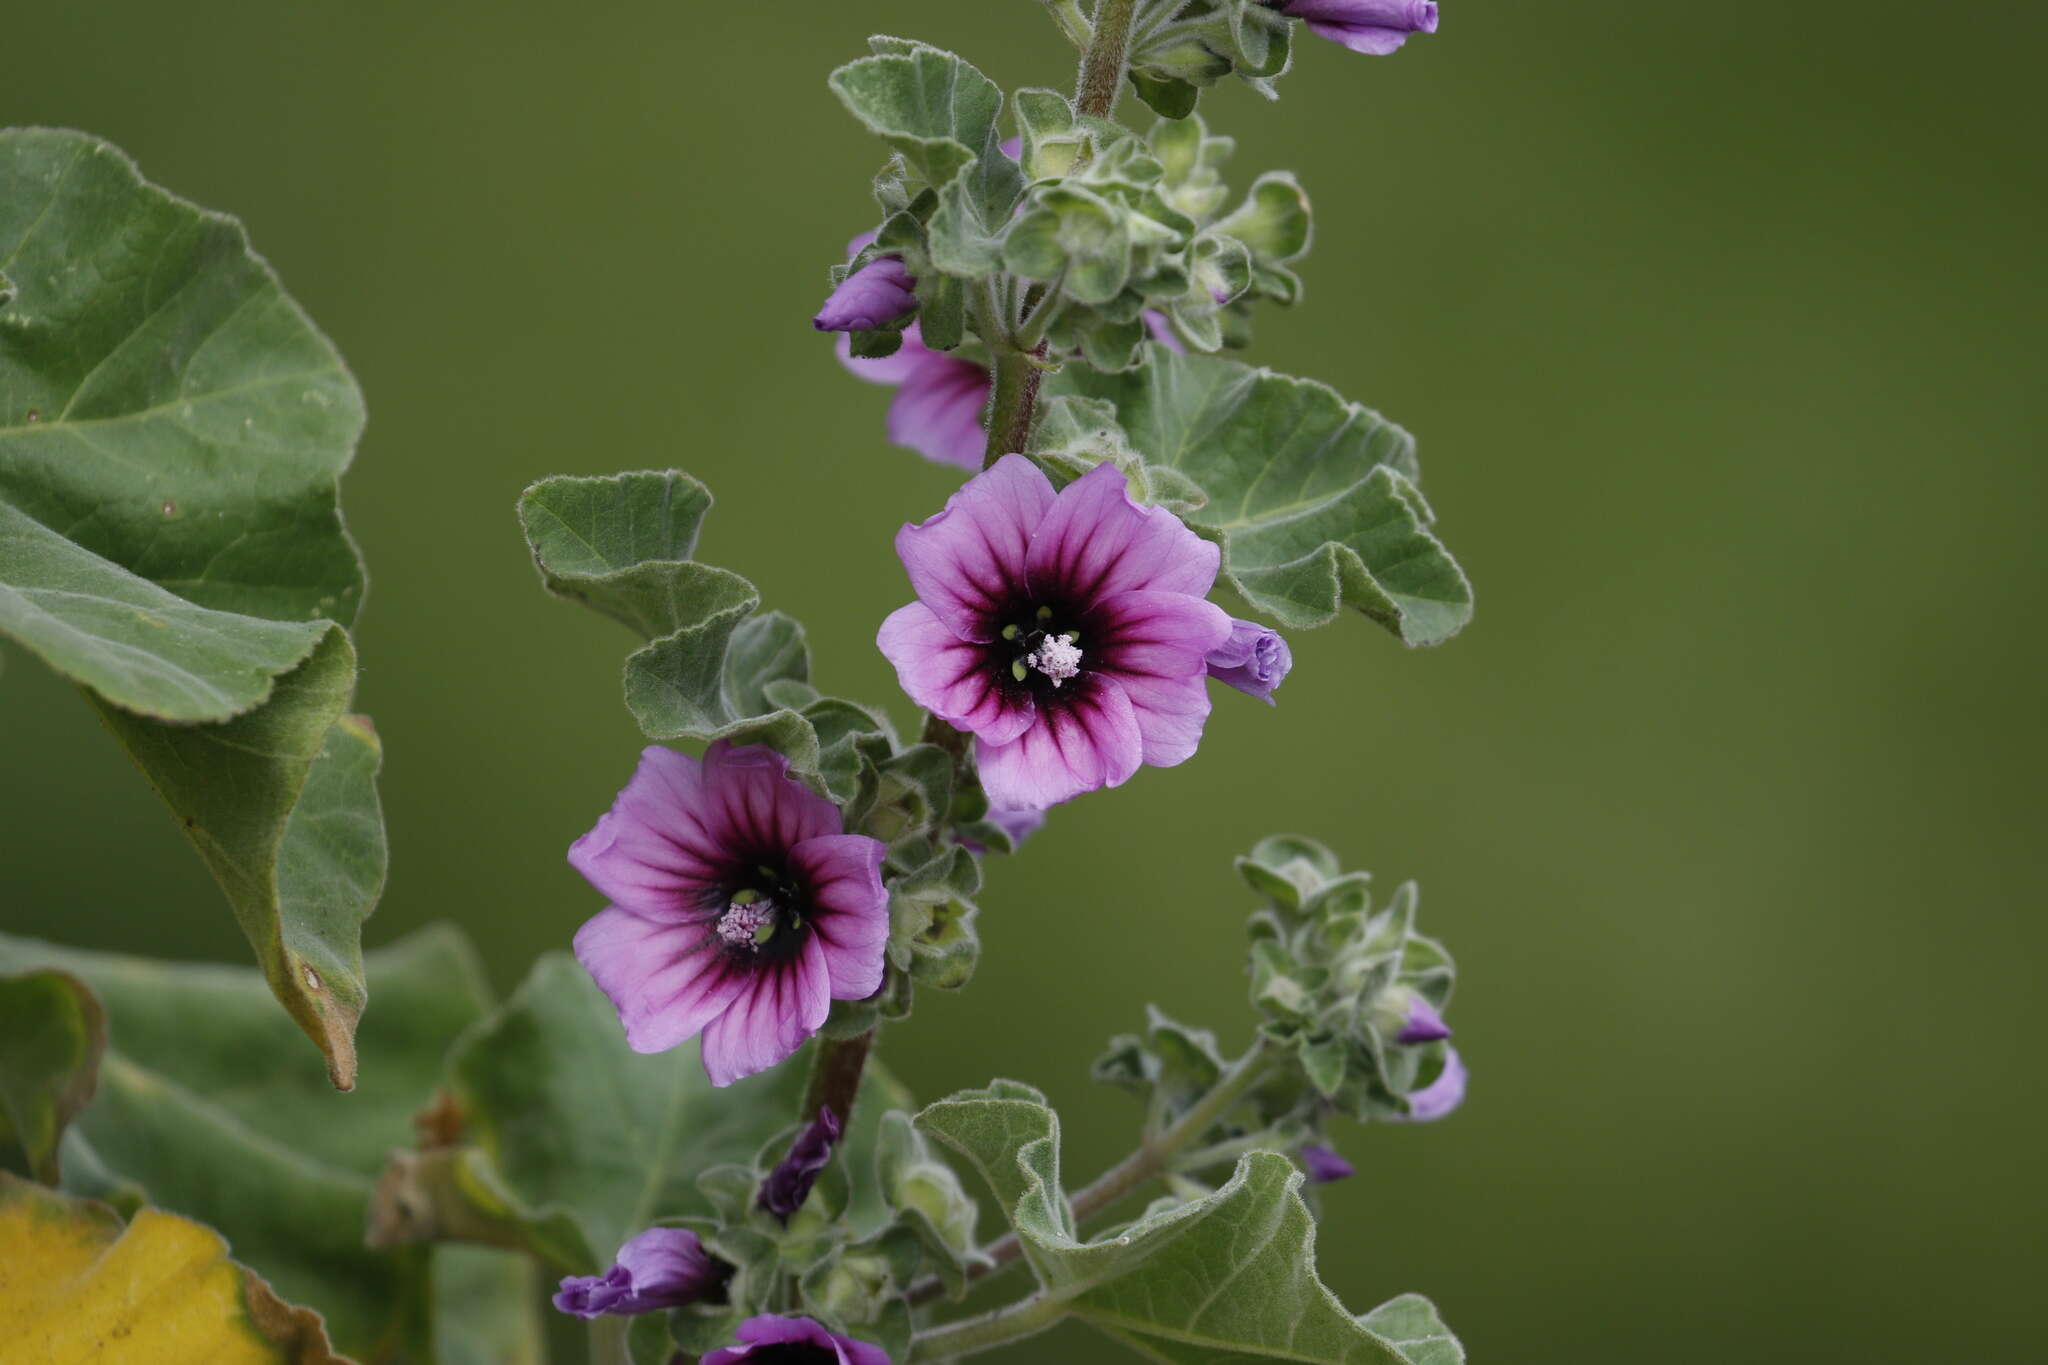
[1153, 1157]
[1074, 24]
[1102, 68]
[835, 1076]
[1019, 1320]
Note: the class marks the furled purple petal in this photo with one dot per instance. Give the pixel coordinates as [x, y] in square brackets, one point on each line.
[663, 978]
[762, 805]
[1375, 27]
[779, 1006]
[1441, 1095]
[1422, 1024]
[663, 846]
[768, 1331]
[661, 1268]
[937, 411]
[789, 1184]
[968, 561]
[952, 678]
[849, 910]
[1088, 742]
[1156, 646]
[1254, 660]
[1095, 541]
[1013, 147]
[872, 297]
[1326, 1164]
[1162, 331]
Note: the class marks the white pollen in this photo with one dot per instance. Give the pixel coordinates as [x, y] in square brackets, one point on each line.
[741, 922]
[1058, 658]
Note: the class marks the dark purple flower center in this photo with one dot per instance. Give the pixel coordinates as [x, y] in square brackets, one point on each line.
[1041, 649]
[762, 919]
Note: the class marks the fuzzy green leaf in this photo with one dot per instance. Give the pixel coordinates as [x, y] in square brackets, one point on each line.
[202, 1111]
[1312, 498]
[1225, 1279]
[172, 428]
[52, 1035]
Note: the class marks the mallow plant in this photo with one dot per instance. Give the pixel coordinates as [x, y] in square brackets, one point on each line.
[681, 1130]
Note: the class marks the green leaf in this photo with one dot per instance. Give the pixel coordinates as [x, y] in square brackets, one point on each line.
[622, 545]
[201, 1111]
[1225, 1279]
[940, 114]
[172, 428]
[580, 1142]
[52, 1035]
[1312, 498]
[1412, 1324]
[282, 806]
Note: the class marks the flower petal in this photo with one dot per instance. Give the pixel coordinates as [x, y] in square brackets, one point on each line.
[1156, 645]
[968, 561]
[1089, 742]
[764, 811]
[849, 909]
[782, 1004]
[909, 358]
[1095, 541]
[663, 847]
[952, 678]
[664, 978]
[937, 412]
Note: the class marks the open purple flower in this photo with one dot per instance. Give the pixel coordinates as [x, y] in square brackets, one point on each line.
[789, 1184]
[1325, 1164]
[661, 1268]
[1441, 1095]
[939, 399]
[769, 1340]
[1254, 660]
[1377, 27]
[1068, 632]
[739, 908]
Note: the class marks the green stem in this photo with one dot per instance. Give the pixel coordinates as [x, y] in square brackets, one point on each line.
[1102, 69]
[1067, 14]
[608, 1341]
[1012, 410]
[1005, 1325]
[1152, 1158]
[835, 1076]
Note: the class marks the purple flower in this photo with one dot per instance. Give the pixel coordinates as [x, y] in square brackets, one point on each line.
[1066, 631]
[939, 399]
[789, 1184]
[739, 909]
[1324, 1164]
[1377, 27]
[1421, 1024]
[1018, 824]
[769, 1340]
[872, 297]
[1441, 1095]
[1253, 660]
[661, 1268]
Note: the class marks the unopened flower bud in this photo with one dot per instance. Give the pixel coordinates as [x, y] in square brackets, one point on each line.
[1375, 27]
[1254, 660]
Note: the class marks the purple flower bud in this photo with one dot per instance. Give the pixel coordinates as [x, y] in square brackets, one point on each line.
[661, 1268]
[877, 295]
[1422, 1024]
[1377, 27]
[794, 1341]
[1253, 660]
[1325, 1165]
[789, 1184]
[1441, 1095]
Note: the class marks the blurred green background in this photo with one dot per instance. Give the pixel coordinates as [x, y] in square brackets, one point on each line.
[1722, 335]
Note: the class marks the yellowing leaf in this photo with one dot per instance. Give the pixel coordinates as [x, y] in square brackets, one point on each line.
[76, 1286]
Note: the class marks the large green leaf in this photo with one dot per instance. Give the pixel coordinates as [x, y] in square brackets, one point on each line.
[940, 113]
[172, 428]
[1225, 1279]
[622, 545]
[1312, 498]
[201, 1110]
[52, 1035]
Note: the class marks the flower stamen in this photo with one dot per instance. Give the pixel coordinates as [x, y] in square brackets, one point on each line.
[747, 923]
[1057, 657]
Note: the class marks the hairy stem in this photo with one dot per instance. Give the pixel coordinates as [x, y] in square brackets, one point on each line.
[1152, 1158]
[1005, 1325]
[835, 1076]
[1102, 69]
[1018, 378]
